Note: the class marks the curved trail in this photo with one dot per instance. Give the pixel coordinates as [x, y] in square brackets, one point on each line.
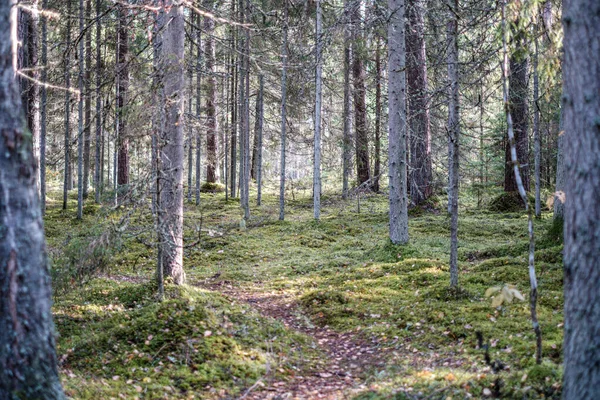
[342, 371]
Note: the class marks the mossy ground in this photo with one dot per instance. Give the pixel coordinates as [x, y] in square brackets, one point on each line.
[345, 274]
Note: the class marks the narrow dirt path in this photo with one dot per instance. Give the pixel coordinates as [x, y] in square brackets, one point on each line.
[341, 372]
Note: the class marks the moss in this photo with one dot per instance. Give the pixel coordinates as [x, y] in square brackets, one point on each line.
[508, 202]
[211, 187]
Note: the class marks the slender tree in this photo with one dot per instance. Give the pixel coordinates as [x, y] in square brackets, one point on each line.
[80, 116]
[211, 98]
[397, 123]
[453, 136]
[318, 101]
[43, 109]
[67, 139]
[198, 112]
[27, 348]
[123, 93]
[284, 61]
[98, 181]
[259, 134]
[87, 81]
[347, 119]
[378, 78]
[581, 103]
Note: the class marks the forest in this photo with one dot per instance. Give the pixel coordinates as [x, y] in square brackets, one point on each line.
[299, 199]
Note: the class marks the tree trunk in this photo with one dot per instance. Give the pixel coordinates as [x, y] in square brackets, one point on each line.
[198, 111]
[581, 102]
[98, 181]
[377, 168]
[418, 107]
[67, 144]
[454, 136]
[190, 98]
[536, 127]
[171, 143]
[246, 144]
[346, 139]
[360, 93]
[397, 123]
[259, 134]
[284, 61]
[87, 127]
[122, 98]
[27, 348]
[80, 116]
[518, 95]
[318, 101]
[43, 108]
[211, 100]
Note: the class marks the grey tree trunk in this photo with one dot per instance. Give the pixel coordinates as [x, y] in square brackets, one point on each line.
[418, 107]
[198, 112]
[347, 139]
[80, 132]
[284, 60]
[234, 108]
[397, 123]
[43, 108]
[246, 144]
[87, 80]
[581, 103]
[98, 182]
[27, 349]
[190, 98]
[67, 144]
[171, 143]
[259, 135]
[318, 101]
[453, 136]
[377, 167]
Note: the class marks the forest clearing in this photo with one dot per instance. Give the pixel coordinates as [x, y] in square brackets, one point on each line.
[330, 305]
[299, 199]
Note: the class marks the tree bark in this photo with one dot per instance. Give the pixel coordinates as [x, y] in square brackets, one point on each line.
[397, 123]
[27, 347]
[518, 94]
[258, 132]
[43, 108]
[377, 168]
[67, 139]
[122, 98]
[453, 137]
[87, 127]
[418, 105]
[211, 100]
[80, 116]
[171, 143]
[190, 99]
[284, 61]
[360, 93]
[346, 139]
[98, 182]
[581, 103]
[318, 105]
[198, 112]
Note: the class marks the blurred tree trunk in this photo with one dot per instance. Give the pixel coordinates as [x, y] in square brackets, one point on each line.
[211, 98]
[122, 98]
[581, 103]
[87, 127]
[27, 348]
[318, 106]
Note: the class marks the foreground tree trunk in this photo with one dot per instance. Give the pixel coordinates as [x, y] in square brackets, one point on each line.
[397, 123]
[87, 79]
[67, 138]
[171, 143]
[581, 102]
[80, 125]
[284, 60]
[418, 108]
[377, 167]
[98, 181]
[27, 349]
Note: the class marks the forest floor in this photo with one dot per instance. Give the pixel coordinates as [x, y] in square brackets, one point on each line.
[299, 309]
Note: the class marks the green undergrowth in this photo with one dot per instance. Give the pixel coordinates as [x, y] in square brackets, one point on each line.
[116, 339]
[344, 274]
